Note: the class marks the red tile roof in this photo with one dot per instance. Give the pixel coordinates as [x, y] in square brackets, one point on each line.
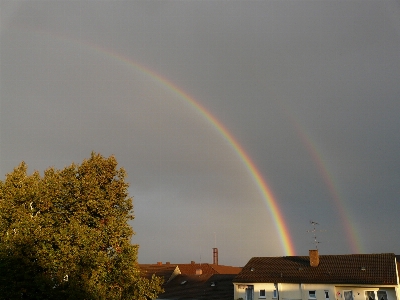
[220, 269]
[164, 271]
[355, 268]
[190, 269]
[196, 286]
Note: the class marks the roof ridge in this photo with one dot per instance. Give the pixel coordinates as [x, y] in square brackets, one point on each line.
[348, 268]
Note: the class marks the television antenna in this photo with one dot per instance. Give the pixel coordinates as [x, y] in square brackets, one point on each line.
[314, 232]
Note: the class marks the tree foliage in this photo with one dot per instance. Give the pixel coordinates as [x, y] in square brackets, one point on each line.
[65, 235]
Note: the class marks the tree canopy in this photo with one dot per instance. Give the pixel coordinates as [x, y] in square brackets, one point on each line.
[65, 235]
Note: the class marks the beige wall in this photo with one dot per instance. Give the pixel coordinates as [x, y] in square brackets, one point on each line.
[289, 291]
[240, 290]
[359, 292]
[301, 291]
[319, 291]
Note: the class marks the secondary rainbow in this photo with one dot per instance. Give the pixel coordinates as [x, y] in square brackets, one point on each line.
[312, 148]
[351, 233]
[264, 189]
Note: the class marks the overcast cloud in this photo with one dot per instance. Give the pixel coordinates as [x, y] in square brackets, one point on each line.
[310, 90]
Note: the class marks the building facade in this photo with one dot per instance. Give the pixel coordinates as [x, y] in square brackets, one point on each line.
[314, 277]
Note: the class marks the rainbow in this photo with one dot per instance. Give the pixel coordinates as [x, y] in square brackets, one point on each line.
[350, 231]
[266, 192]
[321, 163]
[263, 187]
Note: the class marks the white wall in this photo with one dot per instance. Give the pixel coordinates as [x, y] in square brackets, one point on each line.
[359, 292]
[289, 291]
[240, 290]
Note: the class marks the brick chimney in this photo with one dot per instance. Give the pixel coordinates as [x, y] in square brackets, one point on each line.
[215, 256]
[314, 258]
[159, 263]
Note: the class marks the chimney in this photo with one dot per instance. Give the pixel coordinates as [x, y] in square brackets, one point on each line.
[192, 262]
[215, 256]
[167, 263]
[159, 263]
[314, 258]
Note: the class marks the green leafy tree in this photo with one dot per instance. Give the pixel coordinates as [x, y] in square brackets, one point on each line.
[65, 235]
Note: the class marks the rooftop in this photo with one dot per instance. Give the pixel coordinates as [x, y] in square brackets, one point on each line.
[216, 286]
[164, 271]
[184, 281]
[354, 268]
[190, 269]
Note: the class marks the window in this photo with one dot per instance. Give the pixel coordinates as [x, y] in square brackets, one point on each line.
[275, 294]
[311, 295]
[369, 295]
[326, 295]
[348, 295]
[262, 294]
[249, 292]
[382, 295]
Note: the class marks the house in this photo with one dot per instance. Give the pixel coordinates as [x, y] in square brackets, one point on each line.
[193, 280]
[320, 277]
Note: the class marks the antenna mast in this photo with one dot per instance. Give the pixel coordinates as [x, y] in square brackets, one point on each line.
[314, 231]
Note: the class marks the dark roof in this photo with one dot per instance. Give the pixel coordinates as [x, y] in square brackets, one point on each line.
[354, 268]
[216, 286]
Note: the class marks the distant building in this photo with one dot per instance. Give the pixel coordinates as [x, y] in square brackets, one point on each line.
[193, 281]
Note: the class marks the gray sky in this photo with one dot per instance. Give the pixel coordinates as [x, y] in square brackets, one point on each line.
[309, 89]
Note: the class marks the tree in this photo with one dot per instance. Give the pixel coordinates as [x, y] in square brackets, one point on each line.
[65, 235]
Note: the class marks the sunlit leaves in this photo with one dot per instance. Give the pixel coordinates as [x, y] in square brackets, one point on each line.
[65, 235]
